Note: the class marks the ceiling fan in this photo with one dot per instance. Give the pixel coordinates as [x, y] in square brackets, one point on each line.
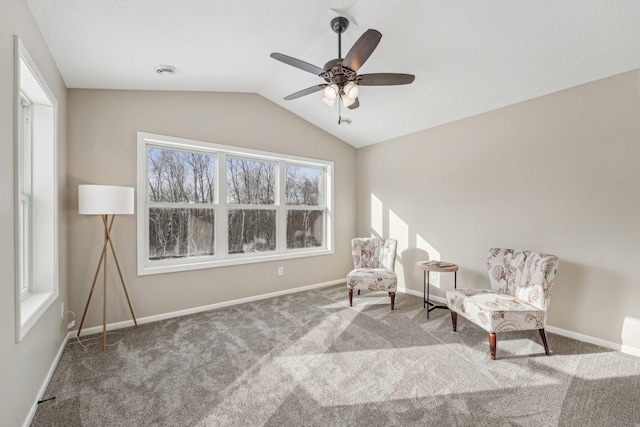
[341, 74]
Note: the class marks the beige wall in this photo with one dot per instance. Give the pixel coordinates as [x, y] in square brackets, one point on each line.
[24, 366]
[102, 150]
[559, 173]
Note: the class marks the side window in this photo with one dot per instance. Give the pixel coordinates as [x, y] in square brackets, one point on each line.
[36, 213]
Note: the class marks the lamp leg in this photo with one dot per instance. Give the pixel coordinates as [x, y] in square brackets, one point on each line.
[103, 263]
[104, 300]
[115, 257]
[93, 285]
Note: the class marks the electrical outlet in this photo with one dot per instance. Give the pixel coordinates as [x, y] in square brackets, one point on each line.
[434, 275]
[62, 311]
[280, 271]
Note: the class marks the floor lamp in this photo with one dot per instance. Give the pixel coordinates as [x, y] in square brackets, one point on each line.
[106, 201]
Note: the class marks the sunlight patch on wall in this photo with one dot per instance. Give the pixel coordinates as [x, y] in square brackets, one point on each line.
[421, 243]
[376, 216]
[399, 230]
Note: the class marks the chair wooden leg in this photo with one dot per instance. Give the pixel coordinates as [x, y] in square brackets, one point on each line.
[393, 299]
[454, 320]
[544, 342]
[350, 297]
[492, 345]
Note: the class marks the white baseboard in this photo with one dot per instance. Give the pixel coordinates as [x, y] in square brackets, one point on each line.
[593, 340]
[554, 330]
[163, 316]
[45, 383]
[441, 300]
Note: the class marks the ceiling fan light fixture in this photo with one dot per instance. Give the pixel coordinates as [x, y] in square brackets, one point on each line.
[346, 101]
[351, 91]
[331, 91]
[330, 94]
[329, 102]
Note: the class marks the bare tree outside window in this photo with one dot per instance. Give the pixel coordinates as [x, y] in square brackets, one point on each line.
[252, 230]
[180, 195]
[304, 185]
[251, 183]
[305, 227]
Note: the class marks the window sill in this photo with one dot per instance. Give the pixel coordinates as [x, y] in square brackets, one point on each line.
[32, 308]
[160, 268]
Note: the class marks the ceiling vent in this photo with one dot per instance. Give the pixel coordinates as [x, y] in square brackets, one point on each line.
[165, 70]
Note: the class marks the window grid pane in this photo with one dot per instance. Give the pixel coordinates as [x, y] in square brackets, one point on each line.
[304, 185]
[181, 233]
[305, 229]
[252, 230]
[251, 182]
[24, 224]
[180, 176]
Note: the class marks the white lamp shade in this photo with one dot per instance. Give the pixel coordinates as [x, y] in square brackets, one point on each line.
[328, 101]
[105, 200]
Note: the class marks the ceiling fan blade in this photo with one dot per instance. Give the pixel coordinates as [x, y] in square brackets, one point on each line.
[362, 50]
[304, 92]
[386, 79]
[297, 63]
[355, 104]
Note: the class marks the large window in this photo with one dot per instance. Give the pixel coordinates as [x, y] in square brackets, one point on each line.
[36, 220]
[204, 205]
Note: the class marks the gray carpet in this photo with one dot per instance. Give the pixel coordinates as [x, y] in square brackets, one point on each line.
[307, 359]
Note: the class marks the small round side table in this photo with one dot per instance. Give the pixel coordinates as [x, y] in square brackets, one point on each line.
[437, 267]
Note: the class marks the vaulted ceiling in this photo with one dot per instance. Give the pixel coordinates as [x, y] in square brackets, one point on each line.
[468, 56]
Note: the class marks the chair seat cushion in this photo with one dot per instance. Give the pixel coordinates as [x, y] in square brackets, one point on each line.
[373, 279]
[495, 311]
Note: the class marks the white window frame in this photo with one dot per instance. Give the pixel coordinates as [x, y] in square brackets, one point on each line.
[36, 190]
[221, 257]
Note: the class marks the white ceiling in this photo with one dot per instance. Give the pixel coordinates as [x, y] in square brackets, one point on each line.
[468, 56]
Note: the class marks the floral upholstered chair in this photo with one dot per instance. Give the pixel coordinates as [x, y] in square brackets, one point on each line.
[373, 262]
[520, 292]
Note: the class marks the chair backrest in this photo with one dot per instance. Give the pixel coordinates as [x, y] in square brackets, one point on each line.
[374, 252]
[526, 275]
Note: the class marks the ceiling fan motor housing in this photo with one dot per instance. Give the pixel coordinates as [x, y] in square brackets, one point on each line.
[336, 73]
